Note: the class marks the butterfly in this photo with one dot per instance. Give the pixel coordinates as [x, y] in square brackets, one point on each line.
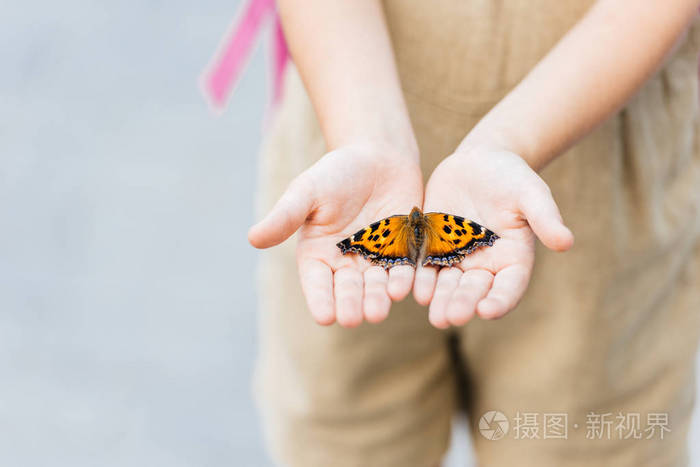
[432, 238]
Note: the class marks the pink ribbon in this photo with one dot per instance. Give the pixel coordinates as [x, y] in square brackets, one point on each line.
[222, 74]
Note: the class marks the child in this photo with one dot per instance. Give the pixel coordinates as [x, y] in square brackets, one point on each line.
[476, 96]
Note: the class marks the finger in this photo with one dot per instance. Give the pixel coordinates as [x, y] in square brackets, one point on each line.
[424, 284]
[473, 286]
[287, 215]
[316, 280]
[447, 281]
[348, 285]
[544, 218]
[508, 287]
[400, 281]
[376, 301]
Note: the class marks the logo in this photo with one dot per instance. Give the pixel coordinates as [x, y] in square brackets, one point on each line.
[493, 425]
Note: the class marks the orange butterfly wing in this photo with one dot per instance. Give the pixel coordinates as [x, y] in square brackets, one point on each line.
[450, 238]
[384, 242]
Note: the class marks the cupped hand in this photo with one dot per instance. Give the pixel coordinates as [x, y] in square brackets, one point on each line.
[344, 191]
[497, 189]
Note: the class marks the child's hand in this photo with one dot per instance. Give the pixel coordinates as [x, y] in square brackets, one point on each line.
[343, 192]
[497, 189]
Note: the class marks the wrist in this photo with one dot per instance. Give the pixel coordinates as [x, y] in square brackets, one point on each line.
[489, 147]
[487, 138]
[393, 144]
[383, 151]
[384, 122]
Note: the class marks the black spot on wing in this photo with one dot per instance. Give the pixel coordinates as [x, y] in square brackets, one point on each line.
[476, 228]
[459, 221]
[447, 229]
[460, 252]
[374, 227]
[386, 233]
[377, 245]
[386, 221]
[358, 235]
[459, 232]
[446, 218]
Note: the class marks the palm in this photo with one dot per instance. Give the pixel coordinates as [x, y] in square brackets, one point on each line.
[502, 193]
[345, 191]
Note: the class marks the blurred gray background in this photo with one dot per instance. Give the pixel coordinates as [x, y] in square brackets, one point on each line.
[127, 307]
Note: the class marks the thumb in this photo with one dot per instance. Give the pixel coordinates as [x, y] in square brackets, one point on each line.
[542, 213]
[286, 216]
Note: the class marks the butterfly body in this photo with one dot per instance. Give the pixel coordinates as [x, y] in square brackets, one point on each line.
[431, 238]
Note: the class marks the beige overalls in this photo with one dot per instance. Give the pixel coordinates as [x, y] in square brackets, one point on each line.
[605, 330]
